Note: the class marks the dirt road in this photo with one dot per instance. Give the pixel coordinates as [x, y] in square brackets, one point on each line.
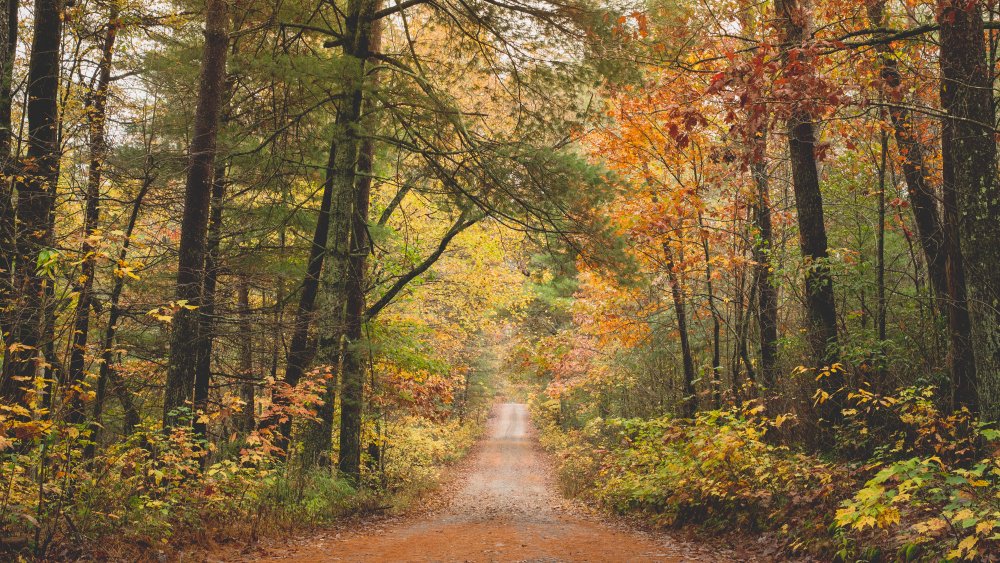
[505, 509]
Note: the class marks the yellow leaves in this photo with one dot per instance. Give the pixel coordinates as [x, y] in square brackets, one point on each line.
[820, 397]
[162, 314]
[165, 313]
[931, 527]
[29, 430]
[966, 549]
[986, 526]
[828, 371]
[17, 347]
[123, 271]
[16, 410]
[880, 517]
[128, 268]
[963, 514]
[782, 418]
[845, 515]
[801, 370]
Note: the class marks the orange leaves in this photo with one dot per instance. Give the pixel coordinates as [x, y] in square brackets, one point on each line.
[632, 26]
[301, 401]
[419, 392]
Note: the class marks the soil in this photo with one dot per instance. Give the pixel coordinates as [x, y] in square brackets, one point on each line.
[504, 507]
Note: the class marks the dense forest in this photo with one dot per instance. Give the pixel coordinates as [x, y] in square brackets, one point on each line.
[267, 267]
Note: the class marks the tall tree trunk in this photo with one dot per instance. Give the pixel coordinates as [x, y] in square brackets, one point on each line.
[971, 199]
[35, 198]
[299, 349]
[821, 309]
[185, 337]
[245, 422]
[108, 373]
[716, 380]
[98, 150]
[765, 291]
[8, 51]
[352, 364]
[740, 321]
[206, 327]
[925, 206]
[690, 401]
[362, 35]
[880, 307]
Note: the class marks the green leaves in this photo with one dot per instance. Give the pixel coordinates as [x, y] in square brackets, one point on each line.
[47, 263]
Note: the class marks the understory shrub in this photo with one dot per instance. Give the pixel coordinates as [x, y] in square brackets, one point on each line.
[929, 492]
[154, 492]
[719, 471]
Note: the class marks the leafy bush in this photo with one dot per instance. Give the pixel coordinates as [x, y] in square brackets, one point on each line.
[931, 506]
[929, 491]
[718, 471]
[417, 449]
[154, 489]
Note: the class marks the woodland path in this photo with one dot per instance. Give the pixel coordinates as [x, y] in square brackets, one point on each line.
[504, 508]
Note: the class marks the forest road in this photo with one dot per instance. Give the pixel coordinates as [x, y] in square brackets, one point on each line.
[504, 508]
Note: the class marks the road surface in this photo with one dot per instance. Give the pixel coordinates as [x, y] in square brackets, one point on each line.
[505, 508]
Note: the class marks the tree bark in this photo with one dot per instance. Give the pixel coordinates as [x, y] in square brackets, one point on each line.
[926, 215]
[299, 349]
[765, 291]
[821, 309]
[206, 327]
[8, 52]
[971, 202]
[185, 337]
[108, 374]
[35, 193]
[689, 400]
[716, 380]
[245, 421]
[363, 34]
[98, 149]
[880, 307]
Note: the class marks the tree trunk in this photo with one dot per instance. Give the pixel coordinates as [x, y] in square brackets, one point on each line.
[98, 150]
[880, 307]
[972, 202]
[765, 291]
[245, 421]
[363, 35]
[690, 401]
[35, 199]
[8, 52]
[821, 309]
[185, 338]
[206, 327]
[716, 380]
[108, 357]
[299, 348]
[925, 207]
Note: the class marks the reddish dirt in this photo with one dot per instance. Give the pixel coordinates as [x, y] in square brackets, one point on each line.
[505, 508]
